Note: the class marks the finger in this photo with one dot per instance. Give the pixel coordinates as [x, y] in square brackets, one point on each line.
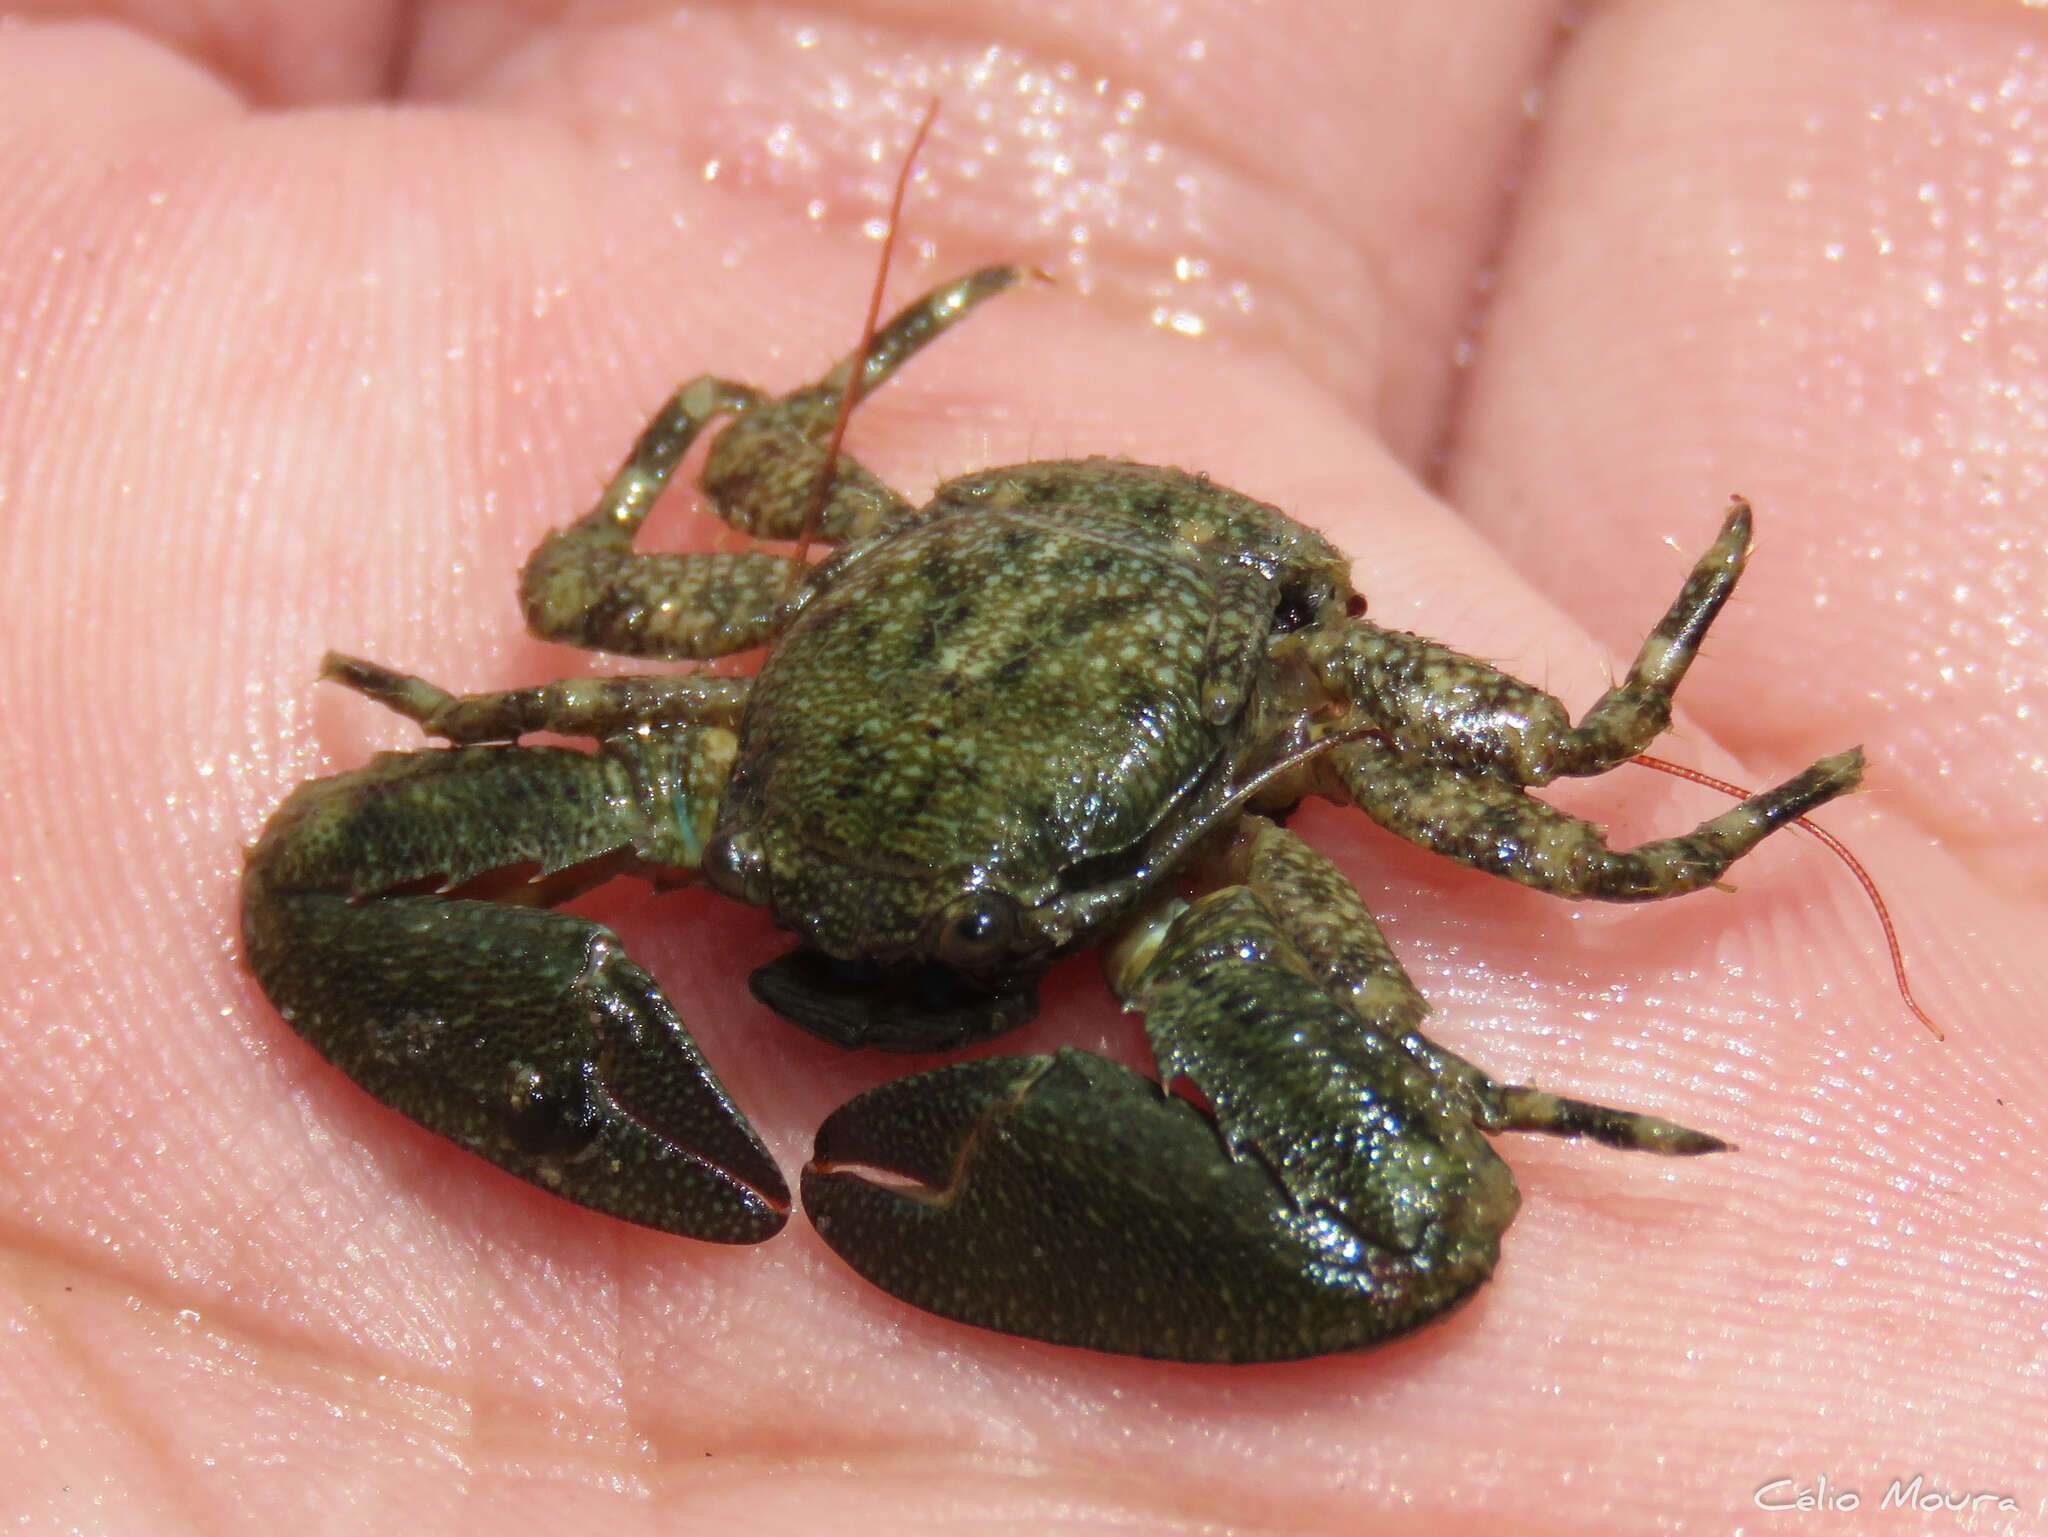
[1797, 256]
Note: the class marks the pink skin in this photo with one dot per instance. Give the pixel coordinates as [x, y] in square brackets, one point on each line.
[274, 382]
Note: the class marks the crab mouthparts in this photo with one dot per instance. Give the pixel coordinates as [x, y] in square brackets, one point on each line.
[930, 1007]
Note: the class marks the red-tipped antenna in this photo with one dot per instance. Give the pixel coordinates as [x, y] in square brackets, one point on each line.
[1841, 851]
[849, 395]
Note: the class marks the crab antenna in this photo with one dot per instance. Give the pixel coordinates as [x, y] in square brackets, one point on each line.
[1337, 736]
[1841, 851]
[856, 374]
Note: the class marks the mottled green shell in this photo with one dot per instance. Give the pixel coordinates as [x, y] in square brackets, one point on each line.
[1007, 691]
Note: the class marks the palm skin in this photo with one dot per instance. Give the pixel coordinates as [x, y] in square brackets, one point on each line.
[278, 381]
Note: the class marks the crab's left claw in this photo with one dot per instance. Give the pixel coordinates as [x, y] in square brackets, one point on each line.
[1338, 1190]
[1068, 1199]
[1336, 1193]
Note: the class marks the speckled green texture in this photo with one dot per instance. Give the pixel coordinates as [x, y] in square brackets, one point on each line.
[1061, 706]
[527, 1036]
[1007, 694]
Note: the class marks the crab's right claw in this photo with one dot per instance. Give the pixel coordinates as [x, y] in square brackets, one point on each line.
[528, 1037]
[1069, 1199]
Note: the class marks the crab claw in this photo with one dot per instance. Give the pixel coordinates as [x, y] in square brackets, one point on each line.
[525, 1035]
[1070, 1199]
[529, 1038]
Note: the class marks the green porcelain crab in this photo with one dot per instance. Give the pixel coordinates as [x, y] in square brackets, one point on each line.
[1064, 705]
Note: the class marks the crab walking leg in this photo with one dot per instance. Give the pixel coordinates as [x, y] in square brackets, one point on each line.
[1437, 705]
[1320, 912]
[527, 1036]
[593, 707]
[588, 586]
[585, 585]
[1322, 916]
[1458, 741]
[763, 470]
[1498, 827]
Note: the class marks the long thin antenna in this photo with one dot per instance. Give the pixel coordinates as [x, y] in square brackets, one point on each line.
[1841, 851]
[856, 376]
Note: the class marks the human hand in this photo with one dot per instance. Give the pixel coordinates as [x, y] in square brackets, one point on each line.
[283, 380]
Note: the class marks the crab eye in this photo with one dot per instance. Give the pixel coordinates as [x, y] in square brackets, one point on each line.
[979, 927]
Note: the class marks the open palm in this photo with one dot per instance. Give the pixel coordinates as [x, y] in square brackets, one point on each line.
[309, 328]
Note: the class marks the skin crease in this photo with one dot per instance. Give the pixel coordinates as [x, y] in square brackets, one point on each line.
[277, 379]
